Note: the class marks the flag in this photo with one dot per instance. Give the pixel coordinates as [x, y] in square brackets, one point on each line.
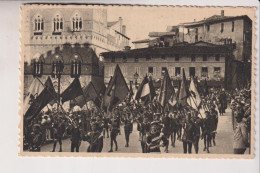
[194, 99]
[106, 98]
[117, 90]
[41, 101]
[146, 90]
[205, 88]
[173, 99]
[131, 92]
[74, 90]
[34, 90]
[166, 89]
[89, 93]
[183, 94]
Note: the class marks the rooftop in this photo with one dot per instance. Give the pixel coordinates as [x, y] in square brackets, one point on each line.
[214, 19]
[194, 48]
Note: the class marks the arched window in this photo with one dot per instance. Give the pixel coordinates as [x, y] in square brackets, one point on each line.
[75, 66]
[57, 66]
[38, 23]
[37, 65]
[76, 22]
[57, 23]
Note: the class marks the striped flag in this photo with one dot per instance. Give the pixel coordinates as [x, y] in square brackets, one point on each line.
[166, 89]
[146, 90]
[41, 101]
[183, 94]
[194, 99]
[34, 90]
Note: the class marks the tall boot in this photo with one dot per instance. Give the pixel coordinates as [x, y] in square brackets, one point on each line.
[116, 145]
[60, 148]
[54, 146]
[111, 146]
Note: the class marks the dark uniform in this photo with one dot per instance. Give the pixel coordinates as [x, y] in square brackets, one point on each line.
[128, 128]
[214, 117]
[75, 138]
[36, 137]
[95, 139]
[59, 130]
[114, 132]
[105, 127]
[166, 121]
[144, 130]
[223, 102]
[174, 129]
[197, 126]
[188, 135]
[207, 130]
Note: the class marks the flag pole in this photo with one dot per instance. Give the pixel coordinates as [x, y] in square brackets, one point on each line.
[55, 99]
[196, 106]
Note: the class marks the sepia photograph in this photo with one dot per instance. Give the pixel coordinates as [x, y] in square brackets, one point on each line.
[137, 81]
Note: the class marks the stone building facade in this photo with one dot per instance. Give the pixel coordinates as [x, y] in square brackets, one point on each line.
[218, 30]
[201, 60]
[52, 32]
[221, 29]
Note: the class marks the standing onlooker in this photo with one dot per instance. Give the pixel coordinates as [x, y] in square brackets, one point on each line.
[240, 140]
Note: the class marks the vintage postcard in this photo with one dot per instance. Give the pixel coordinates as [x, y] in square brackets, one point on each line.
[137, 81]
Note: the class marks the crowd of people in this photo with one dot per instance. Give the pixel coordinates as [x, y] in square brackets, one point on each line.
[241, 119]
[158, 127]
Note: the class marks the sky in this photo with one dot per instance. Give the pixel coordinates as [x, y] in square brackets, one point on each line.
[140, 20]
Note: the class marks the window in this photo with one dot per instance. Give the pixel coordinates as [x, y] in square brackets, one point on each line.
[164, 69]
[233, 26]
[124, 59]
[217, 72]
[150, 70]
[38, 24]
[222, 27]
[216, 69]
[148, 57]
[192, 71]
[177, 71]
[136, 59]
[196, 30]
[57, 66]
[188, 30]
[37, 68]
[204, 72]
[57, 23]
[163, 57]
[208, 27]
[137, 70]
[124, 70]
[205, 58]
[111, 71]
[177, 57]
[113, 59]
[217, 57]
[193, 58]
[75, 66]
[76, 22]
[196, 38]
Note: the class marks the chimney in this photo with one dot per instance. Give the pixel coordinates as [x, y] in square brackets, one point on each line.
[124, 29]
[222, 13]
[194, 20]
[120, 24]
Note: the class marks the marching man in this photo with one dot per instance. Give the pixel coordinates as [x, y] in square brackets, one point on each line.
[95, 139]
[155, 138]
